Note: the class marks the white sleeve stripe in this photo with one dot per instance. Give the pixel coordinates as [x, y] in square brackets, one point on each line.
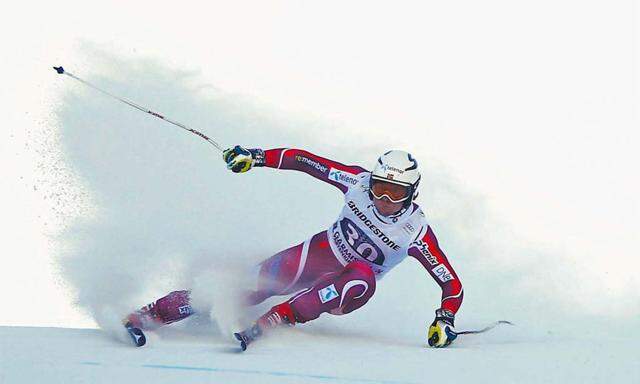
[303, 262]
[453, 296]
[299, 294]
[281, 157]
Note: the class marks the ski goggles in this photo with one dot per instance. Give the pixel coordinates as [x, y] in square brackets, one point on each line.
[396, 193]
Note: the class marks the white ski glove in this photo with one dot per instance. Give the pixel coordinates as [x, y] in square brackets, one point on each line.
[441, 331]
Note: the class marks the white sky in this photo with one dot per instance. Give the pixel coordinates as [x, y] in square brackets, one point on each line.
[532, 104]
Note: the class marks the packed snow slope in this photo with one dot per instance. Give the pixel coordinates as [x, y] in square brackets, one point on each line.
[57, 355]
[148, 208]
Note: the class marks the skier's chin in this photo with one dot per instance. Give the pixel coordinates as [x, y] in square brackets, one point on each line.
[387, 208]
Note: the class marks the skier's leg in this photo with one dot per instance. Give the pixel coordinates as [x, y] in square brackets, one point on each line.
[293, 269]
[171, 308]
[337, 293]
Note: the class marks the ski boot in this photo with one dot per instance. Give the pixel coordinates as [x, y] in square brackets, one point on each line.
[278, 315]
[137, 336]
[144, 318]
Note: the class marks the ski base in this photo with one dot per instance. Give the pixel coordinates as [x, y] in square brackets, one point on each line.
[137, 336]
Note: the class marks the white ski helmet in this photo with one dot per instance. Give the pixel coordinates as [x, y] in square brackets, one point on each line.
[398, 167]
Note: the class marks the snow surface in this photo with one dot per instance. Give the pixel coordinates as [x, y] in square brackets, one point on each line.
[58, 355]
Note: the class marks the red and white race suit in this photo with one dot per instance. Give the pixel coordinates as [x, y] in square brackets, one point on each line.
[335, 271]
[361, 234]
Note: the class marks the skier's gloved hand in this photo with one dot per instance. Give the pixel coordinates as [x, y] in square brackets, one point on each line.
[441, 331]
[241, 160]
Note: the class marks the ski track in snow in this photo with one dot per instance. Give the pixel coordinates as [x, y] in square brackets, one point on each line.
[58, 355]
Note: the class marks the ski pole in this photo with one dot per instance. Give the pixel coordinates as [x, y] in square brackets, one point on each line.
[62, 71]
[485, 329]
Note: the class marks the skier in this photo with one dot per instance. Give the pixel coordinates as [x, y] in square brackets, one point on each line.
[335, 271]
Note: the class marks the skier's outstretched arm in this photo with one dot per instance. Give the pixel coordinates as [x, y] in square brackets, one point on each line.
[428, 253]
[337, 174]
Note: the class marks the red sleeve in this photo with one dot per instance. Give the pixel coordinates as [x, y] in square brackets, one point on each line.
[429, 254]
[337, 174]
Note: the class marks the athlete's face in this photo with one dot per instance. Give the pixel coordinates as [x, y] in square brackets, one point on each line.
[386, 207]
[389, 197]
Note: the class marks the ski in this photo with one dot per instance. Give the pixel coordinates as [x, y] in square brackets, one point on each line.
[137, 336]
[485, 329]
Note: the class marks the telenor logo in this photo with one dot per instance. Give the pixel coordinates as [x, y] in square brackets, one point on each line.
[387, 168]
[328, 293]
[342, 177]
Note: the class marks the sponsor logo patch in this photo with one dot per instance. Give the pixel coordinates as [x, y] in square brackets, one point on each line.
[375, 230]
[389, 168]
[442, 272]
[311, 163]
[424, 250]
[185, 310]
[328, 293]
[360, 242]
[408, 228]
[342, 177]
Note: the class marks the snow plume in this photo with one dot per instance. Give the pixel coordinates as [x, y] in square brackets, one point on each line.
[165, 214]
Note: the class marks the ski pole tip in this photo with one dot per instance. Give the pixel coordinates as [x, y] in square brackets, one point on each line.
[59, 69]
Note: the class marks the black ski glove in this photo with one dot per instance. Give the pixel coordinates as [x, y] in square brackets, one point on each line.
[441, 331]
